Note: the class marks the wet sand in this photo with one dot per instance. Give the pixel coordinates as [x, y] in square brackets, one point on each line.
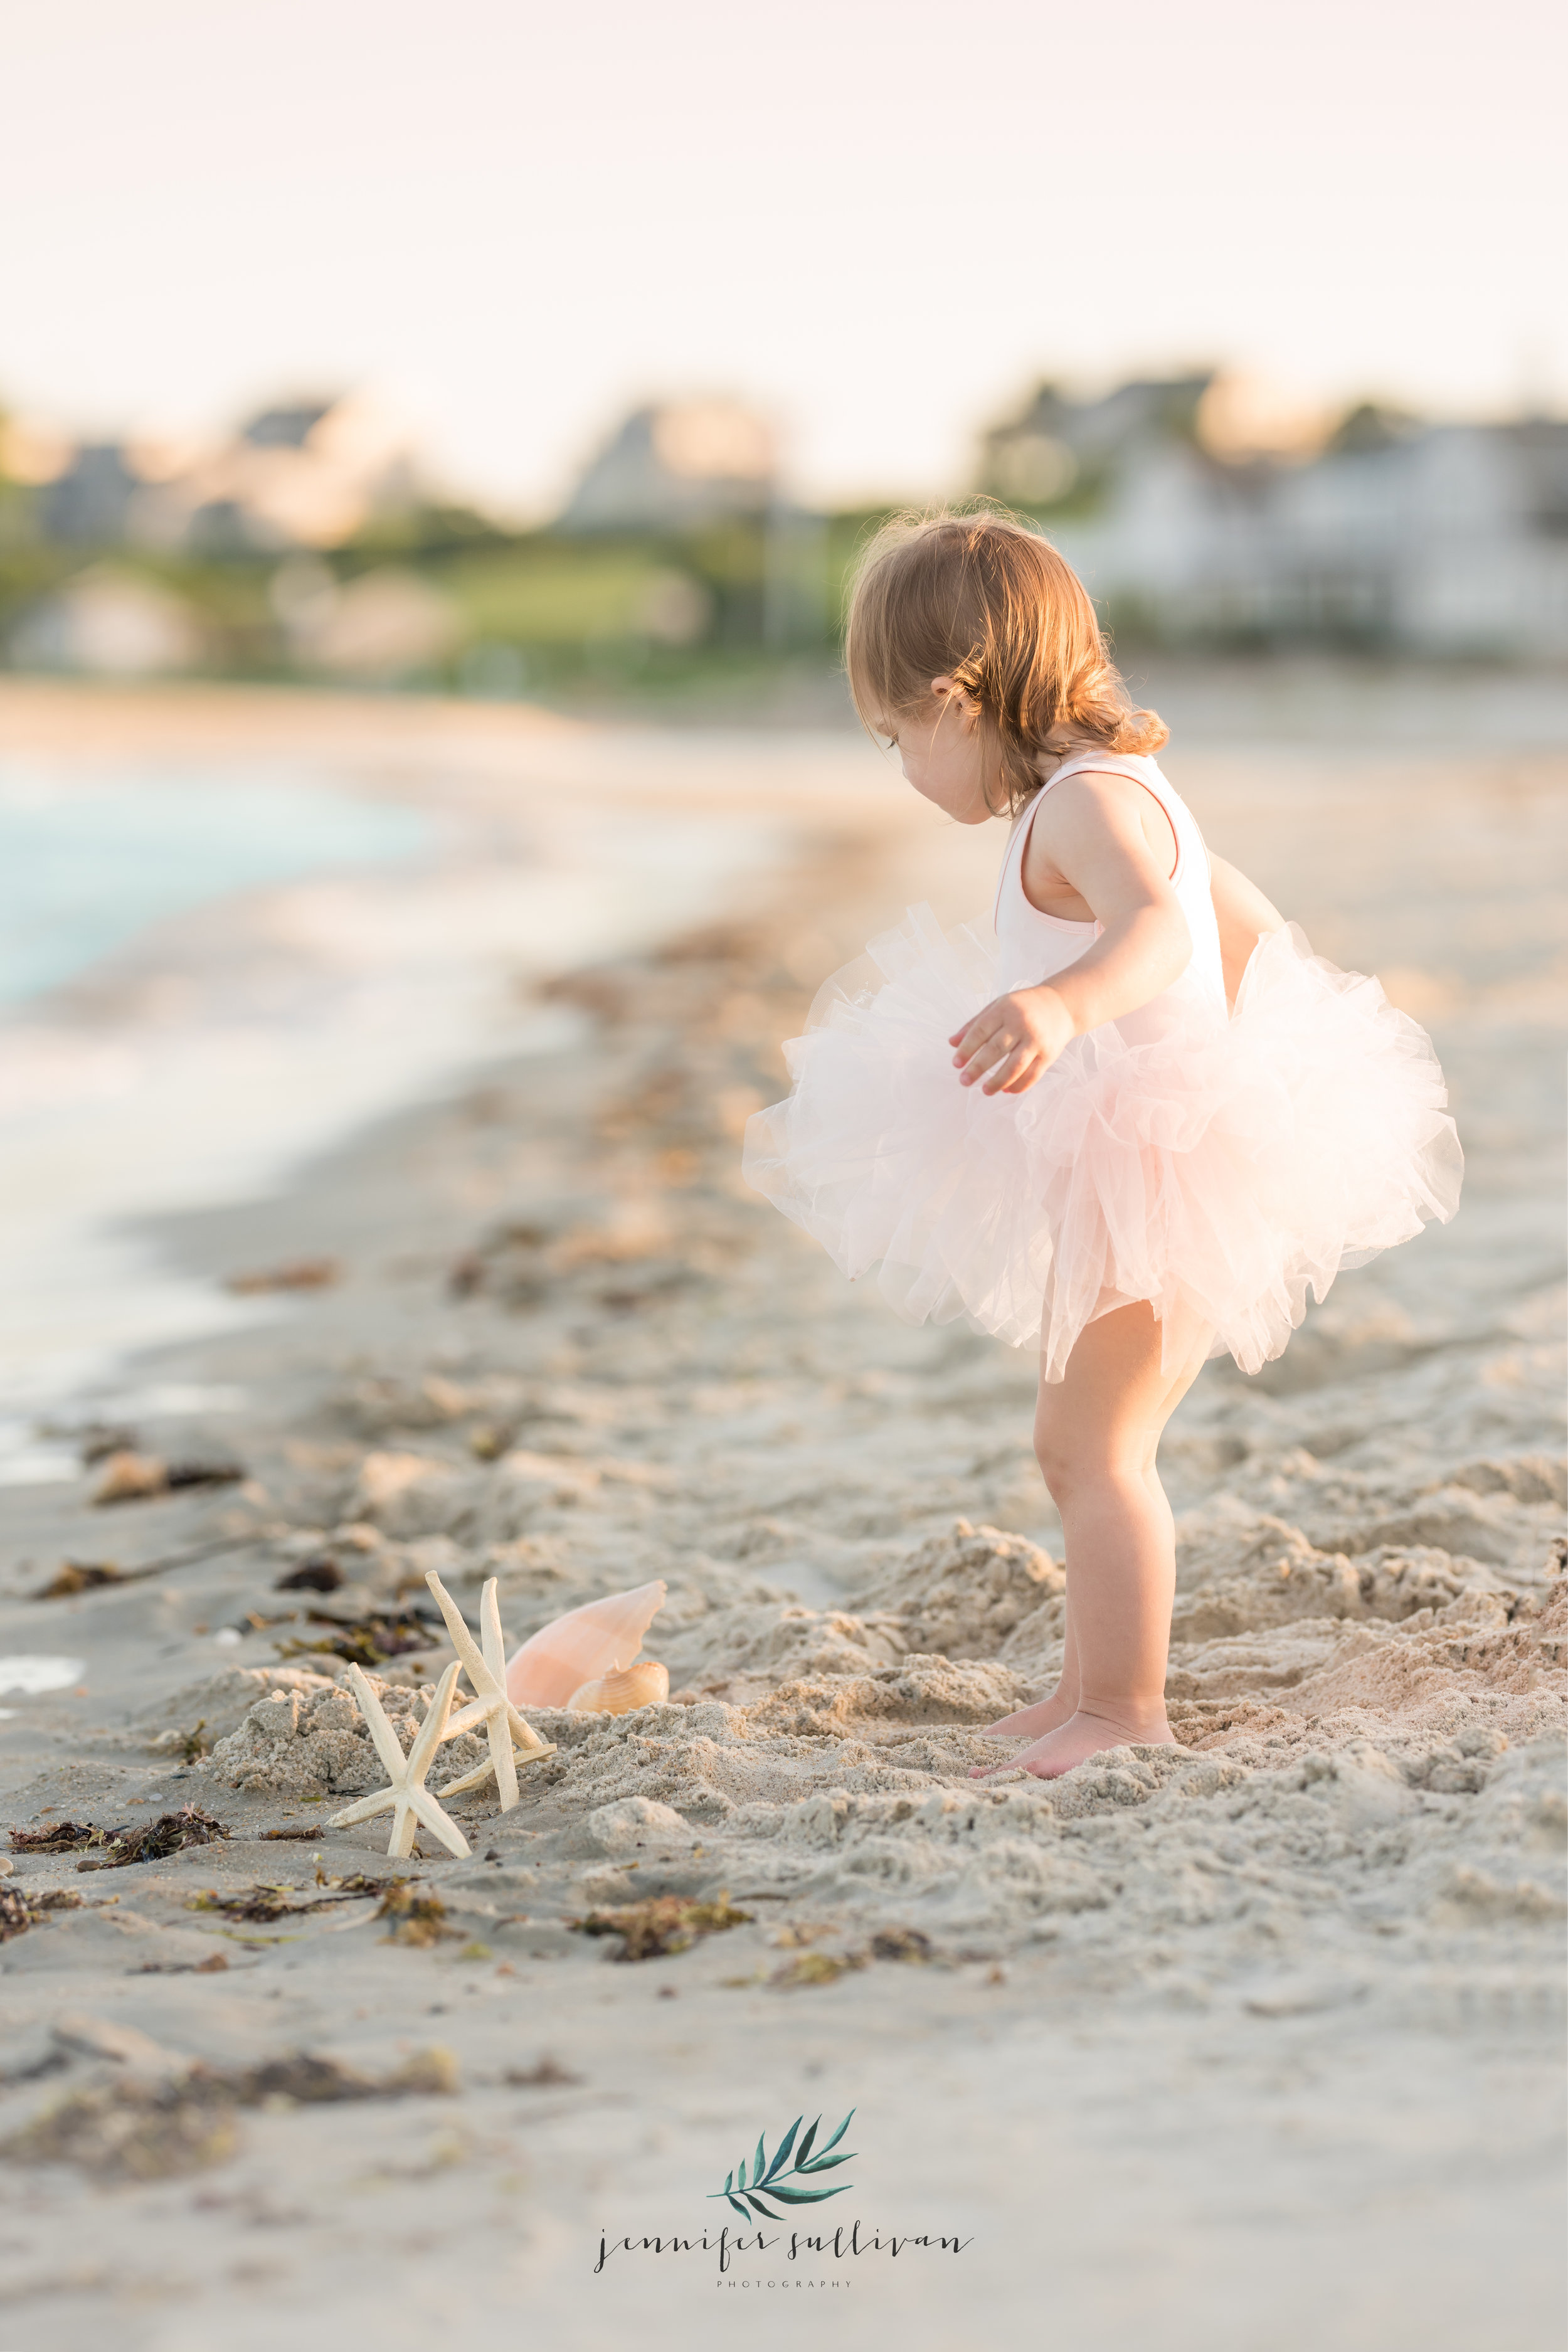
[1254, 2040]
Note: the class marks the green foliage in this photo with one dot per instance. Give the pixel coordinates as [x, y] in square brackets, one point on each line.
[548, 593]
[781, 2184]
[692, 615]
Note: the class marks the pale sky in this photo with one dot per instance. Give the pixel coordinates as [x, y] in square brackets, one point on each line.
[880, 219]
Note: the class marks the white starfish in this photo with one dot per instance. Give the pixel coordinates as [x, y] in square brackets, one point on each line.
[487, 1672]
[409, 1801]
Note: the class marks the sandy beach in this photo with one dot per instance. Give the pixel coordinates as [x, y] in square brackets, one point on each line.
[1252, 2043]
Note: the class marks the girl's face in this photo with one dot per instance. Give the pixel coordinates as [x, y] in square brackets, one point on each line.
[941, 751]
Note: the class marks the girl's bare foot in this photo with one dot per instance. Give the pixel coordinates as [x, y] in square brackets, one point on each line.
[1030, 1723]
[1086, 1734]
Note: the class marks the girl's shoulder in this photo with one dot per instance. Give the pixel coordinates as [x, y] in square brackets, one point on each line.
[1074, 816]
[1073, 788]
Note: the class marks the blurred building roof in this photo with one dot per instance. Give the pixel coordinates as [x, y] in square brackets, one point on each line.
[303, 473]
[88, 504]
[674, 468]
[288, 426]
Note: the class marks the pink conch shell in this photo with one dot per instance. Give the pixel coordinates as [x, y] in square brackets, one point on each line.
[621, 1690]
[576, 1648]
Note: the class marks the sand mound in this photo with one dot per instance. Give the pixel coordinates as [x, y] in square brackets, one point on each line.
[737, 1651]
[969, 1593]
[883, 1827]
[215, 1707]
[297, 1743]
[412, 1495]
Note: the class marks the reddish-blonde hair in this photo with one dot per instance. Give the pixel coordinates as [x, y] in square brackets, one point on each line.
[982, 599]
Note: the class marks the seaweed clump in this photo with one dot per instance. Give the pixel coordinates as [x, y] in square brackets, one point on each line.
[170, 1833]
[661, 1923]
[149, 1842]
[60, 1837]
[266, 1902]
[139, 2130]
[370, 1641]
[74, 1575]
[816, 1968]
[20, 1911]
[417, 1920]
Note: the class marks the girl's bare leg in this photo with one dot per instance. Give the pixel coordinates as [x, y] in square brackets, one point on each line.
[1048, 1713]
[1096, 1436]
[1061, 1705]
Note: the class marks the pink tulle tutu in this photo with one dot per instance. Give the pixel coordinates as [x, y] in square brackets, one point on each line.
[1218, 1165]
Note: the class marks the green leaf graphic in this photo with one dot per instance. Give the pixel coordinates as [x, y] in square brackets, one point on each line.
[773, 2179]
[806, 2196]
[785, 2147]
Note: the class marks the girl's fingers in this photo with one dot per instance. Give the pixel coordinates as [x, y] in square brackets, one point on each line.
[994, 1050]
[984, 1025]
[969, 1056]
[1003, 1078]
[969, 1040]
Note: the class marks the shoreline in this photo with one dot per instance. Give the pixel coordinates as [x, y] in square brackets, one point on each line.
[1263, 701]
[293, 1011]
[1277, 1972]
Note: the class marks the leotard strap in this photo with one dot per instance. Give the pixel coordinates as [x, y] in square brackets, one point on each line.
[1141, 770]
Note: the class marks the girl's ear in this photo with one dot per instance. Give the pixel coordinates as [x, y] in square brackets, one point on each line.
[946, 690]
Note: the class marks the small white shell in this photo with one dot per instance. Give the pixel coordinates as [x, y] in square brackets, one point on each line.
[622, 1689]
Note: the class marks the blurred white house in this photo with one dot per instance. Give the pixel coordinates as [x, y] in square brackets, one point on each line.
[676, 467]
[1427, 539]
[303, 473]
[387, 624]
[108, 623]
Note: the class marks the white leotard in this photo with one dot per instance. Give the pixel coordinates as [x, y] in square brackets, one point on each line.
[1036, 946]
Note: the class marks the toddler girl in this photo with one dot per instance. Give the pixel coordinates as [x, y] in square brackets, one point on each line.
[1134, 1126]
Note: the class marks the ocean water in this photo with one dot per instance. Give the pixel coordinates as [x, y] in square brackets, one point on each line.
[207, 977]
[85, 867]
[91, 865]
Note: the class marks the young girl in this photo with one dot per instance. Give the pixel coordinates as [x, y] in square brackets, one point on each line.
[1134, 1127]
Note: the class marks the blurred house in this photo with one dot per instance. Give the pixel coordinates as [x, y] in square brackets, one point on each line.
[1041, 457]
[385, 626]
[1430, 539]
[306, 473]
[1451, 539]
[675, 468]
[109, 624]
[87, 503]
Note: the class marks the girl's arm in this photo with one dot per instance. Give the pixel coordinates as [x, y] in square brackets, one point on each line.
[1087, 838]
[1244, 914]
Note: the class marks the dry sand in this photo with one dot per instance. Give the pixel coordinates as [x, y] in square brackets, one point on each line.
[1255, 2043]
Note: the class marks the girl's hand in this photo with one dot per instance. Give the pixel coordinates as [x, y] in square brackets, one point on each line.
[1014, 1041]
